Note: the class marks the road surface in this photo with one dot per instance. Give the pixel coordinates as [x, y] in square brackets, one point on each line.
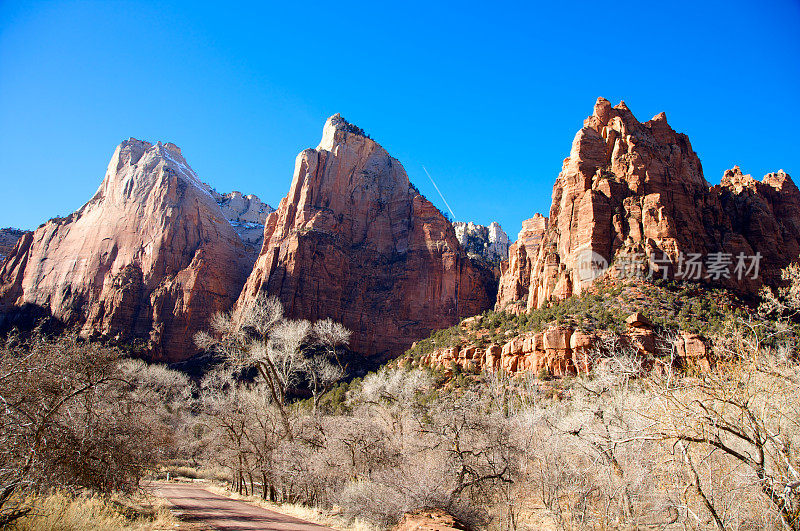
[196, 504]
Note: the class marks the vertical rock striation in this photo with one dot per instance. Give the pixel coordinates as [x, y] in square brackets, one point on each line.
[355, 241]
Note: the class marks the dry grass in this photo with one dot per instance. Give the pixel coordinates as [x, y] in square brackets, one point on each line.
[311, 514]
[193, 473]
[63, 512]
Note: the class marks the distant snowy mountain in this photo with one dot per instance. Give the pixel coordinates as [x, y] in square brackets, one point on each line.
[489, 243]
[247, 215]
[8, 238]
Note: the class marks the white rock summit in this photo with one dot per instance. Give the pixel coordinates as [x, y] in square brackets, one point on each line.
[246, 214]
[489, 243]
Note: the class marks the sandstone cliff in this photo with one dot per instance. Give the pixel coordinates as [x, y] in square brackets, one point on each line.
[149, 258]
[631, 188]
[489, 243]
[355, 241]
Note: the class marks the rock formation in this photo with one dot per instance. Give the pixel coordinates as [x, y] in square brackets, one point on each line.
[562, 350]
[631, 189]
[354, 240]
[515, 272]
[765, 217]
[246, 214]
[482, 242]
[149, 258]
[8, 238]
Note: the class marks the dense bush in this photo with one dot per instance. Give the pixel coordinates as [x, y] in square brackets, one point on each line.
[75, 415]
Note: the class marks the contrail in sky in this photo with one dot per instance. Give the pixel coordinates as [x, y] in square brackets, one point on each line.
[440, 193]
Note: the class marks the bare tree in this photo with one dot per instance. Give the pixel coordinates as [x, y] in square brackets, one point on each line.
[785, 301]
[244, 339]
[321, 374]
[331, 336]
[74, 416]
[227, 425]
[258, 336]
[750, 411]
[285, 354]
[325, 369]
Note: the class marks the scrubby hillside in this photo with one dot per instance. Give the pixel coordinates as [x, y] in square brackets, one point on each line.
[566, 337]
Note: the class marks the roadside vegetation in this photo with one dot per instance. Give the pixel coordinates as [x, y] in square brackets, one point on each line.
[65, 511]
[78, 420]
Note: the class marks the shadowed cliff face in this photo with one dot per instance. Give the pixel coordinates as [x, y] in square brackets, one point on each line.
[355, 241]
[631, 188]
[150, 257]
[8, 238]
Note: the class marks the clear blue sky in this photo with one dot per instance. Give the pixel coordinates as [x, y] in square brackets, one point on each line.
[487, 95]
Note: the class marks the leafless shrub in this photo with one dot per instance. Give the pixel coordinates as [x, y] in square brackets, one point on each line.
[74, 416]
[748, 410]
[325, 369]
[258, 336]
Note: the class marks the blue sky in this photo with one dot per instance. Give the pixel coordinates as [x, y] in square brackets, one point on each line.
[487, 96]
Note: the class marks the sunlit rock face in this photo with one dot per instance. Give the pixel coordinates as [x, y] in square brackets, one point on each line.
[630, 188]
[489, 243]
[355, 240]
[148, 259]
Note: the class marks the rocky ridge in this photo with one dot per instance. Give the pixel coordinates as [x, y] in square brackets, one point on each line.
[565, 351]
[354, 240]
[247, 215]
[637, 189]
[489, 243]
[662, 324]
[8, 238]
[147, 260]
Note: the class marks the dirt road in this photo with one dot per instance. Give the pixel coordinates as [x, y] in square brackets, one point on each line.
[196, 504]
